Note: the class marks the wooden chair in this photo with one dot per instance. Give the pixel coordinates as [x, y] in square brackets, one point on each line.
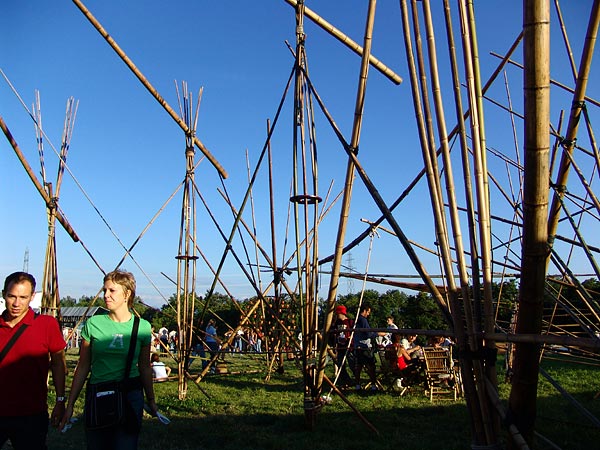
[440, 376]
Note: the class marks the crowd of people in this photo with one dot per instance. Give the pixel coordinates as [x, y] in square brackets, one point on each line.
[356, 346]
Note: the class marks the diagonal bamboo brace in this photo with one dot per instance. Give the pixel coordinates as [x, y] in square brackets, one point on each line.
[149, 86]
[377, 64]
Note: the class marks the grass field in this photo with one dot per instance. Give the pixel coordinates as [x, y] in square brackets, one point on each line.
[240, 411]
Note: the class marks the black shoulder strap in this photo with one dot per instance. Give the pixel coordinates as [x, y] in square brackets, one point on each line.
[134, 333]
[12, 341]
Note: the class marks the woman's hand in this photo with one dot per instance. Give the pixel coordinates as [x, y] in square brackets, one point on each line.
[66, 417]
[153, 407]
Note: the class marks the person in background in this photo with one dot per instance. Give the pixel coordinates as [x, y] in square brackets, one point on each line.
[342, 331]
[164, 339]
[24, 367]
[160, 371]
[397, 355]
[259, 339]
[387, 338]
[436, 342]
[410, 345]
[103, 354]
[363, 348]
[212, 341]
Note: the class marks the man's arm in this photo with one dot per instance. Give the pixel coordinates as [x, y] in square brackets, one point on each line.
[58, 365]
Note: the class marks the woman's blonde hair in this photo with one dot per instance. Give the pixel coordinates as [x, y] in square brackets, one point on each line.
[124, 279]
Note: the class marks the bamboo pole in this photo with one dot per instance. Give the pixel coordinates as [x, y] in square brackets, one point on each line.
[573, 124]
[483, 313]
[348, 185]
[98, 26]
[475, 92]
[347, 402]
[523, 395]
[592, 344]
[468, 340]
[566, 39]
[386, 71]
[276, 277]
[51, 293]
[428, 144]
[186, 254]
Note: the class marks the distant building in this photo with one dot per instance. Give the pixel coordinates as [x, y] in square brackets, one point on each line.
[73, 318]
[74, 315]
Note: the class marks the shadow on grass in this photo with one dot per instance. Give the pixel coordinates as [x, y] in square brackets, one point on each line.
[243, 412]
[337, 430]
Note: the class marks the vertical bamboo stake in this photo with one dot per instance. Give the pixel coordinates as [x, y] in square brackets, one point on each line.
[536, 81]
[349, 181]
[468, 341]
[269, 343]
[186, 256]
[50, 290]
[428, 145]
[480, 153]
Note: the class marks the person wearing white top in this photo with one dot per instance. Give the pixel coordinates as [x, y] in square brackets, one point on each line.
[160, 371]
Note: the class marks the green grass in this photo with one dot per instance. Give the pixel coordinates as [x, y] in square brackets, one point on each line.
[241, 411]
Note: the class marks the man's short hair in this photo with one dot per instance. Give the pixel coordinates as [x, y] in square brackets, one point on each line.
[19, 277]
[365, 307]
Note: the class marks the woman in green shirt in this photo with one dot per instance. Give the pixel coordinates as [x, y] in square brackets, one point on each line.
[103, 354]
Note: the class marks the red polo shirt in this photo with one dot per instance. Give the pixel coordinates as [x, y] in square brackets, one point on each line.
[24, 370]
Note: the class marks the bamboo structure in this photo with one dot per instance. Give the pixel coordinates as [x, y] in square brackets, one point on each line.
[305, 204]
[186, 256]
[50, 290]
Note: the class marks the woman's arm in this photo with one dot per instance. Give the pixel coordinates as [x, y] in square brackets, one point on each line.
[146, 377]
[81, 372]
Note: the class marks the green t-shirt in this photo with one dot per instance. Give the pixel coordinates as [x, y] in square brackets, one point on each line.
[109, 342]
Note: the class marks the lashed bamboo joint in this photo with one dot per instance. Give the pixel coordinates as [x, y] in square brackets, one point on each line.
[306, 199]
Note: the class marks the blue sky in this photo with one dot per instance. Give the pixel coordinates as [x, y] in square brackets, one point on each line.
[128, 155]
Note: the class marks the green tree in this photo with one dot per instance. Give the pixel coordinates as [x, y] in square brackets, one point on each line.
[422, 312]
[67, 301]
[505, 295]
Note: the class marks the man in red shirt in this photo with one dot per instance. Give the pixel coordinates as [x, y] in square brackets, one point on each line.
[24, 368]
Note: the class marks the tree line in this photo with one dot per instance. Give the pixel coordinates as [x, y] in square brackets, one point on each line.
[411, 311]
